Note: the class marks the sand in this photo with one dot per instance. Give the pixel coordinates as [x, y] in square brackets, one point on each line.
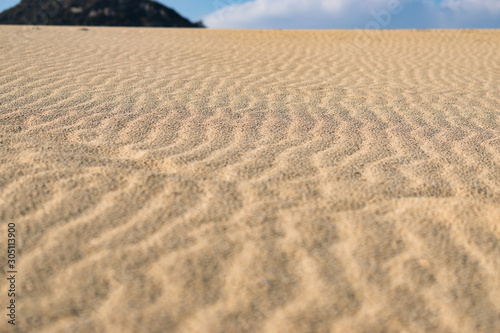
[166, 180]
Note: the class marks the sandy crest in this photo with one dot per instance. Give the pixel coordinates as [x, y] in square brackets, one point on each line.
[169, 180]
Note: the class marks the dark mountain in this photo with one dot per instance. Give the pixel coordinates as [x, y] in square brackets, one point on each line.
[125, 13]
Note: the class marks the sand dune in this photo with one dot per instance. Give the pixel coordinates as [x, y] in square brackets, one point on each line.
[251, 181]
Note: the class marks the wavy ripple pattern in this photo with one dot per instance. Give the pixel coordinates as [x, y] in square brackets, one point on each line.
[168, 180]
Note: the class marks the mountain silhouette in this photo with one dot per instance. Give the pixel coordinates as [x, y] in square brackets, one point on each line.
[125, 13]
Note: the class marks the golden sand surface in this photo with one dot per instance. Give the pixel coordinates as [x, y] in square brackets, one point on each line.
[166, 180]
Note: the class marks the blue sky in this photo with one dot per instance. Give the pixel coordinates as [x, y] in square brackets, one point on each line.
[330, 14]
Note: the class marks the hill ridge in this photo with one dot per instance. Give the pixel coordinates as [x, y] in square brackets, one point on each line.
[133, 13]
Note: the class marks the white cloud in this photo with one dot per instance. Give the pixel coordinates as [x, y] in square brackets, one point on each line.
[327, 14]
[472, 5]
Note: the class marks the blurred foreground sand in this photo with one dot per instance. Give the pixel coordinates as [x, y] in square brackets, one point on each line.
[251, 181]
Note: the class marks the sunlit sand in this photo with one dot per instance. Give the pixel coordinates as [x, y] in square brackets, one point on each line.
[168, 180]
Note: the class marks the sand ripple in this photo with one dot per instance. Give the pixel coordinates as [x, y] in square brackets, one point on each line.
[169, 180]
